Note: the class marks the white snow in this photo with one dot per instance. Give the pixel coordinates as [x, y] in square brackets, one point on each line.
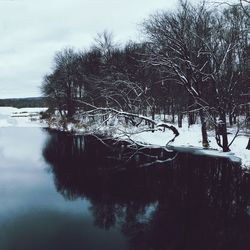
[190, 140]
[24, 117]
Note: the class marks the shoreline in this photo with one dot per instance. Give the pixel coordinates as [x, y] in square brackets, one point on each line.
[189, 139]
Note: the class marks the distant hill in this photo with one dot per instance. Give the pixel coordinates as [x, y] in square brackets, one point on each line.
[24, 102]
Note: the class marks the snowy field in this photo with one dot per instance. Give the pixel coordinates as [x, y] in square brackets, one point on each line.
[24, 117]
[188, 140]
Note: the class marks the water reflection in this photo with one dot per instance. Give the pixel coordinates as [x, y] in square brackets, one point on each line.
[33, 215]
[193, 202]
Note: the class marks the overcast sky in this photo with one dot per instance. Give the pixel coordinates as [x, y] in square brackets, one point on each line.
[33, 30]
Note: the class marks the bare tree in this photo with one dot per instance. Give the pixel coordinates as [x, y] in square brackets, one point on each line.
[175, 47]
[104, 42]
[203, 51]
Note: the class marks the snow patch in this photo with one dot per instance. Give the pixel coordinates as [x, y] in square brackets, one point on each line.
[23, 117]
[190, 140]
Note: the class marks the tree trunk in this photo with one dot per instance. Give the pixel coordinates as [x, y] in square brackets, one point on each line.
[235, 121]
[70, 108]
[153, 117]
[164, 113]
[230, 114]
[205, 142]
[224, 132]
[230, 119]
[190, 118]
[248, 145]
[173, 117]
[173, 111]
[180, 116]
[70, 104]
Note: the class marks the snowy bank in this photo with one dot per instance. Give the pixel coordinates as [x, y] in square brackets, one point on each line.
[23, 117]
[189, 139]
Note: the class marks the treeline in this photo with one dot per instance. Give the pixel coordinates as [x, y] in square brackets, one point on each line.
[194, 61]
[31, 102]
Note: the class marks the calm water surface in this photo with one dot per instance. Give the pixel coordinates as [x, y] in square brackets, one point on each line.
[63, 192]
[33, 214]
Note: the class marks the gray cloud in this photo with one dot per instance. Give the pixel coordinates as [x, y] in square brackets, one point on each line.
[31, 31]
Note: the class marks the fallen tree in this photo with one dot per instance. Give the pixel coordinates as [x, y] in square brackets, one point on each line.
[102, 117]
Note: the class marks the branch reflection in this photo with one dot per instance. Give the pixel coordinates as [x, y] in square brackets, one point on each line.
[193, 202]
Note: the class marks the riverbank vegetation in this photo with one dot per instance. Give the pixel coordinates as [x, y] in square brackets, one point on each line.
[193, 62]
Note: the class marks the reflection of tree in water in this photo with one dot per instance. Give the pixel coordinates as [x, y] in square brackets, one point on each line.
[192, 203]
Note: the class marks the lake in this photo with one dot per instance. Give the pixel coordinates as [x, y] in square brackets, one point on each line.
[59, 191]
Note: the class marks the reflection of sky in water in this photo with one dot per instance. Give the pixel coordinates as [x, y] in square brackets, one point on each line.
[33, 215]
[22, 144]
[25, 183]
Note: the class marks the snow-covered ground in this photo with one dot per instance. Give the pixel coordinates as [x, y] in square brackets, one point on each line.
[188, 140]
[24, 117]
